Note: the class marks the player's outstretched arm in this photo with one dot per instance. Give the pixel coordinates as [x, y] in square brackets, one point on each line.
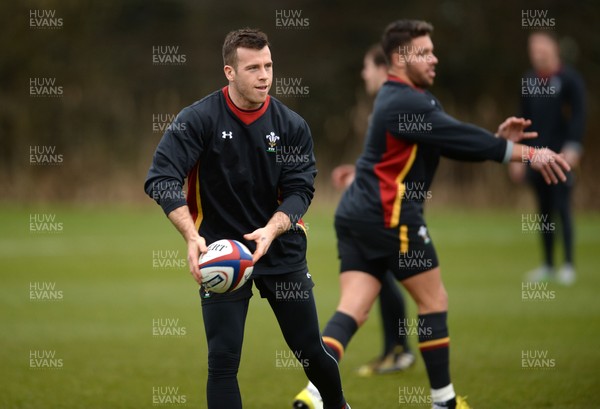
[182, 220]
[279, 224]
[550, 164]
[513, 129]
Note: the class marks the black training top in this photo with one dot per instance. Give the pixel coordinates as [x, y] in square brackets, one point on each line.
[241, 167]
[556, 106]
[407, 134]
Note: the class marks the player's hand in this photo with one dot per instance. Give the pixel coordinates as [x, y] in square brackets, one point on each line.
[196, 246]
[550, 164]
[516, 172]
[263, 238]
[513, 129]
[342, 176]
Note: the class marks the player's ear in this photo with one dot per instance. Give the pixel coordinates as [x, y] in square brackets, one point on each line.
[229, 72]
[398, 60]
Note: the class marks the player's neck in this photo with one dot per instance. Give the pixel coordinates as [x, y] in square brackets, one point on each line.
[241, 102]
[401, 75]
[549, 69]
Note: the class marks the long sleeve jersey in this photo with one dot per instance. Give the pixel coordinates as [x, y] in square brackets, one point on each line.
[556, 106]
[407, 134]
[241, 167]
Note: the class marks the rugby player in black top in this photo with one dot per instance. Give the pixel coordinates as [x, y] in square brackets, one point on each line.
[379, 221]
[553, 97]
[241, 185]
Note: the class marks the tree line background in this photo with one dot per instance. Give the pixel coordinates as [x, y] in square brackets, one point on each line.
[102, 124]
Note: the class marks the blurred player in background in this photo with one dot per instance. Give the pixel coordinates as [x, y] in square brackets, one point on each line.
[253, 198]
[553, 97]
[396, 354]
[380, 222]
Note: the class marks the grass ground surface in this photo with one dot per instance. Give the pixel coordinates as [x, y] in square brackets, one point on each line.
[119, 270]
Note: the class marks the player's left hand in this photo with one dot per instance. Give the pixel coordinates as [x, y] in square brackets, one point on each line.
[550, 164]
[279, 223]
[513, 129]
[263, 238]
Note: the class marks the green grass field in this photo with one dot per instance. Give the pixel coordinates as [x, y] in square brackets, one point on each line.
[101, 331]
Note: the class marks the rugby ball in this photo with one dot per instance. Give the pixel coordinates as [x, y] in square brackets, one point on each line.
[226, 266]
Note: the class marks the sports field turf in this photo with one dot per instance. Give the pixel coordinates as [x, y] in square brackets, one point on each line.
[117, 300]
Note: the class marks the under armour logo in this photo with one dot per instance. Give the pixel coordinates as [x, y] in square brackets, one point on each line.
[227, 134]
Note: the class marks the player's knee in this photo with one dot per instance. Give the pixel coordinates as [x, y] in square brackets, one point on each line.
[436, 302]
[223, 363]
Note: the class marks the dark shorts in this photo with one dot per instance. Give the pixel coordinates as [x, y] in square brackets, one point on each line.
[405, 250]
[276, 287]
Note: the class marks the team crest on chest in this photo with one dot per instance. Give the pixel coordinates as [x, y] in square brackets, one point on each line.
[272, 139]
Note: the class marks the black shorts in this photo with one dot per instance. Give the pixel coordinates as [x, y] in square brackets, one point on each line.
[277, 287]
[405, 250]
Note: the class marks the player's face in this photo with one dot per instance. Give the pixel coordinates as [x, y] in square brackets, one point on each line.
[373, 75]
[543, 52]
[420, 61]
[251, 79]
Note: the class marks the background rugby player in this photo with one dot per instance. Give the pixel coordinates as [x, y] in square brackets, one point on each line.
[379, 225]
[557, 109]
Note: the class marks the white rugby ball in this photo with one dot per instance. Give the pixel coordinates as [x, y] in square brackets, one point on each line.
[226, 266]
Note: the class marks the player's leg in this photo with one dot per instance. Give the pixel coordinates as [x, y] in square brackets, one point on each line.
[396, 355]
[544, 197]
[224, 339]
[359, 291]
[428, 291]
[562, 200]
[359, 285]
[292, 300]
[393, 314]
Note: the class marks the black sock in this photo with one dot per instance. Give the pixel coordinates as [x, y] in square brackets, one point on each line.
[338, 332]
[434, 344]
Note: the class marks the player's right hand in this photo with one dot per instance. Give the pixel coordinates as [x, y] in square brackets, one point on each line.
[550, 164]
[196, 247]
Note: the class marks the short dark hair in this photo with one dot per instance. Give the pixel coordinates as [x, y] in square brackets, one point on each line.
[246, 38]
[401, 32]
[376, 53]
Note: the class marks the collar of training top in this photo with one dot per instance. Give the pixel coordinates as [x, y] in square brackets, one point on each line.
[393, 78]
[246, 116]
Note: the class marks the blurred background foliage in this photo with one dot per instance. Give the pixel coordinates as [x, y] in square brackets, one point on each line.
[102, 56]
